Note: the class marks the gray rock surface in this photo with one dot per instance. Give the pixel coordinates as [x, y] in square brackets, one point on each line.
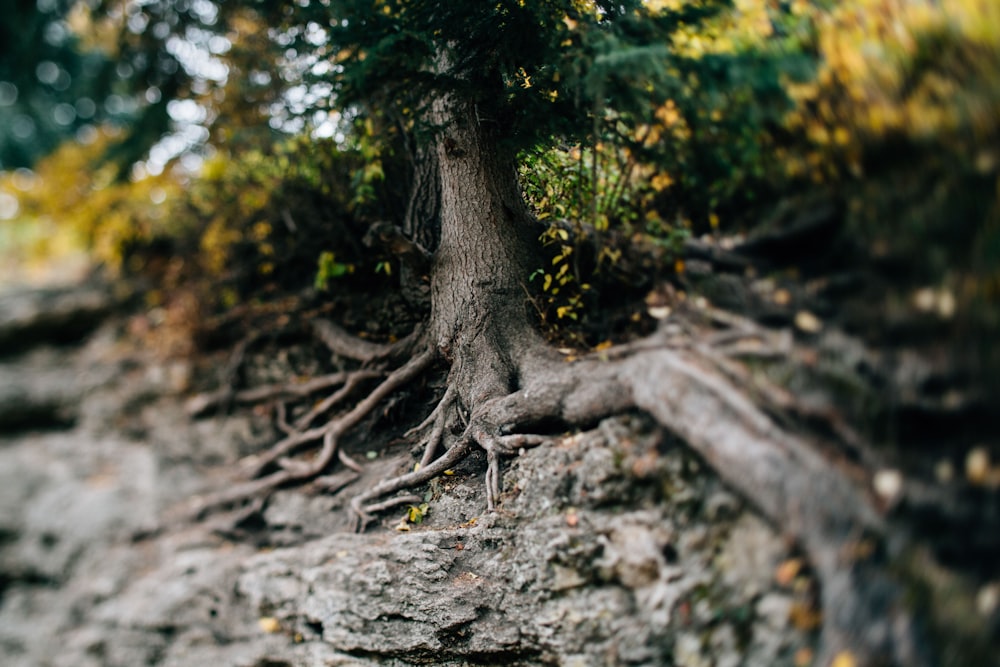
[612, 546]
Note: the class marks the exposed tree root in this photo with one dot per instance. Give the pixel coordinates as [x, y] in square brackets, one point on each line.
[695, 390]
[436, 420]
[346, 345]
[292, 470]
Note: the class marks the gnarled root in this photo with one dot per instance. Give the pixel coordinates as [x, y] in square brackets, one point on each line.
[693, 390]
[292, 470]
[809, 497]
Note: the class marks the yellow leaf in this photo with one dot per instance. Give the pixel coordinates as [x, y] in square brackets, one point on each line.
[808, 322]
[844, 659]
[603, 345]
[269, 624]
[661, 182]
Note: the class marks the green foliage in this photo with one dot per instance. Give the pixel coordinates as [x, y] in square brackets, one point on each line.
[51, 85]
[561, 283]
[649, 120]
[329, 268]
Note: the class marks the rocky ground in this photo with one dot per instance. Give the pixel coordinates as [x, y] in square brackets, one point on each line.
[613, 546]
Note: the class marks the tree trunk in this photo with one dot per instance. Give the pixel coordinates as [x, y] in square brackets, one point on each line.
[422, 223]
[479, 316]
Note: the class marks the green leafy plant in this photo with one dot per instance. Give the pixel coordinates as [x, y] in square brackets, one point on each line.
[329, 268]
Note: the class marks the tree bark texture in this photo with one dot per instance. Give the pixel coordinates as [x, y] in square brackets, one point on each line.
[479, 316]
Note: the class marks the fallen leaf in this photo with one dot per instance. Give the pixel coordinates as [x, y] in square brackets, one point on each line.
[888, 484]
[659, 312]
[844, 659]
[804, 617]
[988, 599]
[977, 465]
[806, 321]
[269, 624]
[785, 574]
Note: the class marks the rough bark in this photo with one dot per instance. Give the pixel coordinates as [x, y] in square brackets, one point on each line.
[478, 313]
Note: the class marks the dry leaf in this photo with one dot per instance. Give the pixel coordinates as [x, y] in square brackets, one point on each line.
[269, 624]
[888, 484]
[977, 465]
[844, 659]
[804, 617]
[785, 574]
[806, 321]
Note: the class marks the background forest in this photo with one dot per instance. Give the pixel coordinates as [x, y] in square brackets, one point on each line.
[808, 166]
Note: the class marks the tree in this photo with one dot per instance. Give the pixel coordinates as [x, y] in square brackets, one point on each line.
[471, 84]
[462, 89]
